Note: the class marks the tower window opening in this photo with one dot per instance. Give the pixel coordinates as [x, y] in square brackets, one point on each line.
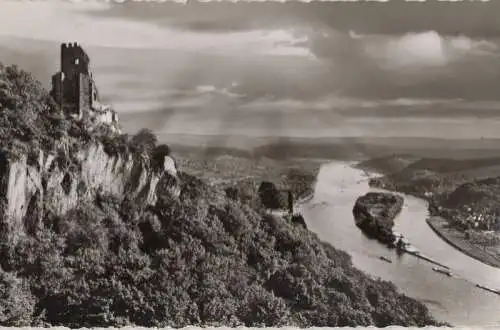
[77, 61]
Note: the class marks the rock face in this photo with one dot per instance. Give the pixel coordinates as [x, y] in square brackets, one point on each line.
[374, 213]
[30, 189]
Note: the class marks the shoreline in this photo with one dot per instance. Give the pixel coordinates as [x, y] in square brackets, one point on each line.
[449, 235]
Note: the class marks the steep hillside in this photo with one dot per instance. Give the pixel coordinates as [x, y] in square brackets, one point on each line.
[129, 239]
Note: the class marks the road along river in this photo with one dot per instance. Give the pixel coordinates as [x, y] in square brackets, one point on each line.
[453, 299]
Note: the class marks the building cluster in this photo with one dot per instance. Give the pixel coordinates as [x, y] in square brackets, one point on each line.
[480, 220]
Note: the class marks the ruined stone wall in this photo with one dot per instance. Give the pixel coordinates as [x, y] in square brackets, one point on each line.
[95, 102]
[74, 60]
[84, 94]
[57, 88]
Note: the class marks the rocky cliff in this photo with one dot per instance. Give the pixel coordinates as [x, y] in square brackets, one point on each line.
[29, 190]
[374, 213]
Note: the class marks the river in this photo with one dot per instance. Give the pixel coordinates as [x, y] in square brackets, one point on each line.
[456, 300]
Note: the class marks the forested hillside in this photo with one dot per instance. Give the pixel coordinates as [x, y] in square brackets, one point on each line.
[193, 258]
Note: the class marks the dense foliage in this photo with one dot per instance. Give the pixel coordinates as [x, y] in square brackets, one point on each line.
[270, 195]
[29, 120]
[200, 259]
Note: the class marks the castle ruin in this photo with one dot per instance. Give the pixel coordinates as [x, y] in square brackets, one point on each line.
[73, 88]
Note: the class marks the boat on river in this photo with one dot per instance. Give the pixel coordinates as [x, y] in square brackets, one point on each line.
[403, 246]
[442, 271]
[488, 289]
[385, 259]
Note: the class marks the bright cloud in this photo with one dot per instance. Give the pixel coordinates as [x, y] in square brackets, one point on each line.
[226, 91]
[426, 49]
[422, 48]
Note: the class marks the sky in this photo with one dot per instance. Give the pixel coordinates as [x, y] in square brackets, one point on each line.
[317, 69]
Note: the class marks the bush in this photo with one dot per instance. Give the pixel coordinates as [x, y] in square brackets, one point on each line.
[143, 142]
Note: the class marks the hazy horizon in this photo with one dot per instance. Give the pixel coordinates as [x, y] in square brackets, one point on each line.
[266, 69]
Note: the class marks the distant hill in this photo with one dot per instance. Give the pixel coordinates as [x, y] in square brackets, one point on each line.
[388, 164]
[340, 148]
[415, 175]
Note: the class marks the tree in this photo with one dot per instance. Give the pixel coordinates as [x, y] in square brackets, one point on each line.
[158, 155]
[143, 142]
[269, 195]
[232, 193]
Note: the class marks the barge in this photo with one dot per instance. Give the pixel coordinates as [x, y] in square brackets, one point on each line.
[442, 271]
[386, 259]
[488, 289]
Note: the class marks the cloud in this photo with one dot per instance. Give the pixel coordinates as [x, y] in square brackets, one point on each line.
[356, 63]
[416, 49]
[210, 89]
[270, 67]
[61, 21]
[206, 17]
[426, 49]
[413, 65]
[346, 106]
[472, 18]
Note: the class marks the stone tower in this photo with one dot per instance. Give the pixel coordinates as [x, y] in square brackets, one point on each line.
[73, 87]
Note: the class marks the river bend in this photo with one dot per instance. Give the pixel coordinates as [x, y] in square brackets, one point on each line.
[455, 300]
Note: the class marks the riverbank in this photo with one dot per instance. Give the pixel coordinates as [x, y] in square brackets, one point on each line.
[457, 239]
